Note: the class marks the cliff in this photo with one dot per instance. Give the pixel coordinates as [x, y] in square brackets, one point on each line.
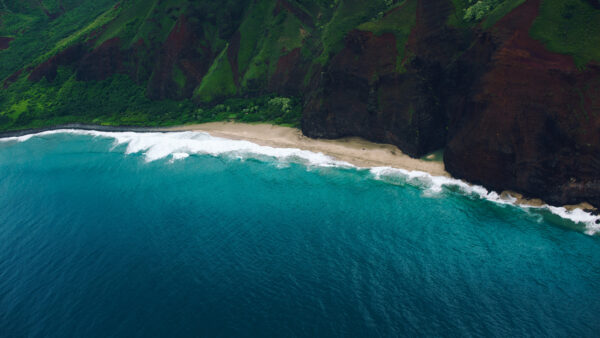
[510, 88]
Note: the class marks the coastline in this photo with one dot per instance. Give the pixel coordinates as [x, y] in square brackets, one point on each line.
[354, 150]
[80, 126]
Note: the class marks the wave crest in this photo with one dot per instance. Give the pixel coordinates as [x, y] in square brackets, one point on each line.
[180, 145]
[434, 185]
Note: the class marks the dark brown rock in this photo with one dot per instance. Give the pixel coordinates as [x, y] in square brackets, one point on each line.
[102, 62]
[179, 50]
[362, 93]
[5, 42]
[49, 67]
[531, 122]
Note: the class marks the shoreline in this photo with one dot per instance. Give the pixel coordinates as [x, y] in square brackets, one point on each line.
[80, 126]
[354, 150]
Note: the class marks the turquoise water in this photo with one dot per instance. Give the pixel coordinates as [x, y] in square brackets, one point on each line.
[187, 235]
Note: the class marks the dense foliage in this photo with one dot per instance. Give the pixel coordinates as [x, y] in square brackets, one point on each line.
[152, 78]
[36, 32]
[120, 101]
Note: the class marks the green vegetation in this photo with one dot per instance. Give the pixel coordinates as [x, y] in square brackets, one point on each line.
[399, 22]
[67, 100]
[346, 16]
[218, 82]
[500, 11]
[479, 9]
[35, 33]
[155, 39]
[569, 27]
[252, 30]
[469, 13]
[264, 41]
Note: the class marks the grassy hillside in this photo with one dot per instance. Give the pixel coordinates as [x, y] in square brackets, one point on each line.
[157, 62]
[152, 59]
[570, 27]
[35, 32]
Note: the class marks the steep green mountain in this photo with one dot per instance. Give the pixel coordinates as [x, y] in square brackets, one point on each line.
[167, 62]
[510, 88]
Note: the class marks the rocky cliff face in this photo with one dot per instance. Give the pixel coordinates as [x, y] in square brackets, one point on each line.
[511, 114]
[383, 93]
[531, 122]
[513, 98]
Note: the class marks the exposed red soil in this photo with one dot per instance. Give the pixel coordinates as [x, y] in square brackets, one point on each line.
[179, 49]
[48, 68]
[363, 95]
[377, 54]
[5, 42]
[430, 37]
[536, 121]
[12, 78]
[519, 20]
[138, 49]
[289, 73]
[102, 62]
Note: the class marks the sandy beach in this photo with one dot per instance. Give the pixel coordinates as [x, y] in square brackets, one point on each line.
[352, 150]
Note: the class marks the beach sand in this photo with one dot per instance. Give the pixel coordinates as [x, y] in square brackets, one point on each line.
[353, 150]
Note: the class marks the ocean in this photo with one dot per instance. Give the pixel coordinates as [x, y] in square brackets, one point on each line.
[183, 234]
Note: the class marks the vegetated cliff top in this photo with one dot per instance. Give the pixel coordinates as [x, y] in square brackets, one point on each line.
[159, 60]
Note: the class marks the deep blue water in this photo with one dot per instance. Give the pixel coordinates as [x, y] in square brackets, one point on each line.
[95, 242]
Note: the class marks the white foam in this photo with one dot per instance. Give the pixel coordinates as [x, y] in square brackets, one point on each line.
[592, 222]
[434, 185]
[180, 145]
[179, 156]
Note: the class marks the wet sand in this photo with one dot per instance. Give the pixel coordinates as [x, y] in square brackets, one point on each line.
[353, 150]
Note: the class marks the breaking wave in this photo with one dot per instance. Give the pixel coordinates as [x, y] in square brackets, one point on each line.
[435, 185]
[176, 146]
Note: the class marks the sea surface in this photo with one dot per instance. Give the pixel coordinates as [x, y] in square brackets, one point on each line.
[142, 235]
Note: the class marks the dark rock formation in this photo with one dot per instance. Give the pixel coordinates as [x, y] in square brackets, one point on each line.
[49, 67]
[289, 74]
[531, 123]
[102, 62]
[5, 42]
[12, 78]
[179, 50]
[362, 93]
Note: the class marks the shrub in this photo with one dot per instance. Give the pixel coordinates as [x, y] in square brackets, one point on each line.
[480, 9]
[283, 104]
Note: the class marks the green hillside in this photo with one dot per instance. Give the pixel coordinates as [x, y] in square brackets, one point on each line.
[160, 62]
